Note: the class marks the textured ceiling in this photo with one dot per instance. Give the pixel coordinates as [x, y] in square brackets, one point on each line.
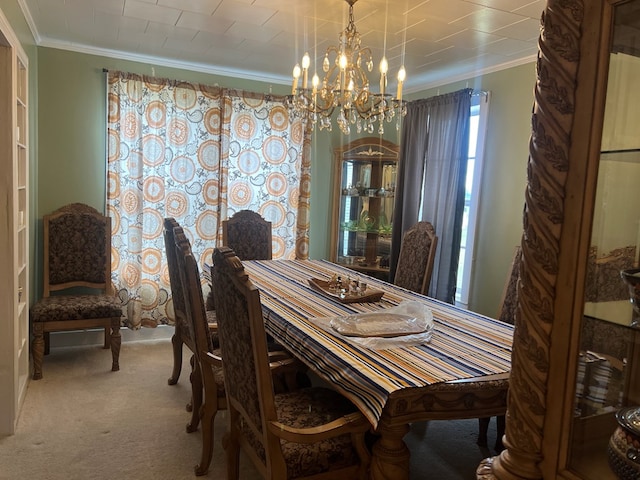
[444, 40]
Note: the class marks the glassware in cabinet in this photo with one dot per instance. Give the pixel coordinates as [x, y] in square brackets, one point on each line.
[364, 187]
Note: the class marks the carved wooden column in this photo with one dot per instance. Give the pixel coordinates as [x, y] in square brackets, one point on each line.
[548, 166]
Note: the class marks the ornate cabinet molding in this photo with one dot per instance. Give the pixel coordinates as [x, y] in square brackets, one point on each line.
[562, 175]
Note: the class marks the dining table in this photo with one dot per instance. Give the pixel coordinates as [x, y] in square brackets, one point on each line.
[460, 371]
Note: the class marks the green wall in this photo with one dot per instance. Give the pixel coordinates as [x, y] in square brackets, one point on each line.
[68, 149]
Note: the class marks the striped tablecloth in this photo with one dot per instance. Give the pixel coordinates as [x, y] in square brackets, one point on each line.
[463, 345]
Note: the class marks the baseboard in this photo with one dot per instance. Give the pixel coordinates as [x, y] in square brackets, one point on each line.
[96, 337]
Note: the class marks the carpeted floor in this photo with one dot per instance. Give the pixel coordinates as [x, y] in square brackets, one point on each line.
[82, 421]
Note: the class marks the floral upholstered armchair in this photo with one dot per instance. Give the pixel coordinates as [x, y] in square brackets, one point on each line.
[77, 293]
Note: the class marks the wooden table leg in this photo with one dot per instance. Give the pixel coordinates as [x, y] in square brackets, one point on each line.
[390, 459]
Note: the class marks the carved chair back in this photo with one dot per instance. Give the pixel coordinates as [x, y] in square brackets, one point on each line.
[171, 226]
[417, 255]
[507, 310]
[248, 235]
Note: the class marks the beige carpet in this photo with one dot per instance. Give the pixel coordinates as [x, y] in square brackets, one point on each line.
[82, 421]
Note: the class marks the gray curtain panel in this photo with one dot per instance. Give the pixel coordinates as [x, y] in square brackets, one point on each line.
[431, 175]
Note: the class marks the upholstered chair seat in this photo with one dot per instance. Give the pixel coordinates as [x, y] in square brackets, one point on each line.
[313, 407]
[308, 408]
[218, 376]
[212, 322]
[69, 307]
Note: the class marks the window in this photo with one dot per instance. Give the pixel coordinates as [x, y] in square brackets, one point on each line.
[477, 131]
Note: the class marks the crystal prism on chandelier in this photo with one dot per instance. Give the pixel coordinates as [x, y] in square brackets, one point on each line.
[346, 88]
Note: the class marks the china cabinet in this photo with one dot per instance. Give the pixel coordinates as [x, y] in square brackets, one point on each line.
[574, 389]
[363, 195]
[14, 231]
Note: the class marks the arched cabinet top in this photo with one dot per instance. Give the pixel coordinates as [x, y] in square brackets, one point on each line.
[368, 148]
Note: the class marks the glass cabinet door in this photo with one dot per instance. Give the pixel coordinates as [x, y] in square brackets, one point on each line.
[363, 205]
[608, 384]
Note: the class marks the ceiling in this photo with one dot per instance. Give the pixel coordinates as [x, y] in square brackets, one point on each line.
[441, 41]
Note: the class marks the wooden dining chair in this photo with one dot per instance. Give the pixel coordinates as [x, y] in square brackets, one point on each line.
[183, 334]
[207, 377]
[417, 255]
[310, 433]
[249, 235]
[207, 374]
[77, 289]
[507, 314]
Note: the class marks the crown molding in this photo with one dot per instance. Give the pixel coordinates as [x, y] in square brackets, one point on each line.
[26, 13]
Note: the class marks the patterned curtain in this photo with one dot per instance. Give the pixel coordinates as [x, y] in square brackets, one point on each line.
[198, 154]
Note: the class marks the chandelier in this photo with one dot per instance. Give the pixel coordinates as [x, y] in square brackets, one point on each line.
[345, 88]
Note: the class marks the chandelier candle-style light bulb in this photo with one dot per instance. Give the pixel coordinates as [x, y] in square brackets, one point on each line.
[345, 87]
[306, 61]
[384, 68]
[402, 74]
[342, 63]
[296, 76]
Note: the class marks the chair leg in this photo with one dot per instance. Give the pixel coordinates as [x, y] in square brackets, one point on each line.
[47, 342]
[209, 410]
[500, 428]
[176, 342]
[192, 362]
[196, 396]
[107, 337]
[483, 427]
[37, 349]
[232, 449]
[115, 342]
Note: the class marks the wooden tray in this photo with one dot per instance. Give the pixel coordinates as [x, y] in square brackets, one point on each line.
[322, 286]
